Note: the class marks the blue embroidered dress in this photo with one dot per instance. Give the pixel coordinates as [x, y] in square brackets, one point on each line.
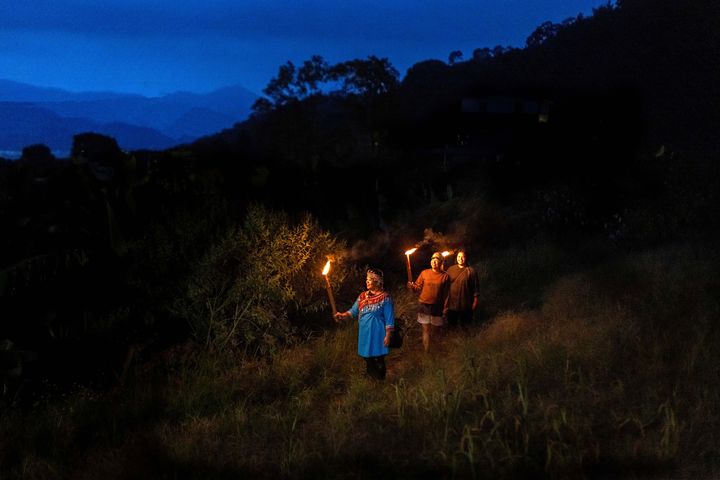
[377, 313]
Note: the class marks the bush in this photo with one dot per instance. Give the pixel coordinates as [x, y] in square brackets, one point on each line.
[253, 287]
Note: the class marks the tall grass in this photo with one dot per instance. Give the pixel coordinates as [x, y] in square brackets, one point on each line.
[613, 375]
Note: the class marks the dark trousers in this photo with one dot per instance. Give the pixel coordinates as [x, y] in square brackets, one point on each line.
[375, 367]
[462, 318]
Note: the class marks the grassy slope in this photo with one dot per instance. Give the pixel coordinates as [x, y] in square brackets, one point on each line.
[612, 374]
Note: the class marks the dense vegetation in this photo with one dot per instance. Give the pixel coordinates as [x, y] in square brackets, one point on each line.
[163, 313]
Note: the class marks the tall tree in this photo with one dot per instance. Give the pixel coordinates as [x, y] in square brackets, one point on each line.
[371, 77]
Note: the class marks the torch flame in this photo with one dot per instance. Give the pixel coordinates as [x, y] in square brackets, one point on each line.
[445, 253]
[331, 297]
[411, 251]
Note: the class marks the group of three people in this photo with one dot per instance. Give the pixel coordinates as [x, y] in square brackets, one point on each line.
[445, 297]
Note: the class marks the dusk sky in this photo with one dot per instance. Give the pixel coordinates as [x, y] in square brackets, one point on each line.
[160, 46]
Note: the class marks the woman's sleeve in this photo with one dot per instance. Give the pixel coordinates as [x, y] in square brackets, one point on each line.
[354, 309]
[420, 280]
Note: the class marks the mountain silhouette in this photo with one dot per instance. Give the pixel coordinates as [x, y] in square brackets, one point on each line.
[23, 124]
[31, 114]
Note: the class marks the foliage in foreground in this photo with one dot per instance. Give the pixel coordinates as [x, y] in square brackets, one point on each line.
[256, 280]
[596, 382]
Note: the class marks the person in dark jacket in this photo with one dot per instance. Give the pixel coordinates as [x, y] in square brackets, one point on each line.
[464, 292]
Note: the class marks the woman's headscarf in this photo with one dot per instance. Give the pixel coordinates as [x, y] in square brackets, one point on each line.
[376, 275]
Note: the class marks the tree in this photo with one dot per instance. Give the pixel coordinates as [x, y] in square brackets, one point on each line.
[96, 148]
[312, 73]
[293, 84]
[367, 78]
[280, 90]
[38, 155]
[543, 33]
[482, 54]
[499, 50]
[371, 77]
[454, 57]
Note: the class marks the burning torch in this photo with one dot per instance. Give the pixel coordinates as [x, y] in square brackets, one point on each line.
[409, 269]
[444, 255]
[325, 272]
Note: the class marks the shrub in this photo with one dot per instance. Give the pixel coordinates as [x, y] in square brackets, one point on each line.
[250, 287]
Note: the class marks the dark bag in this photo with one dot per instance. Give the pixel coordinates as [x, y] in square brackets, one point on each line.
[396, 337]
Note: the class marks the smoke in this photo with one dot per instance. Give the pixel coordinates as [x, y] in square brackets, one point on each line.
[378, 244]
[440, 241]
[373, 247]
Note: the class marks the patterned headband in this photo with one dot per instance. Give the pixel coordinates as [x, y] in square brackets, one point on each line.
[375, 275]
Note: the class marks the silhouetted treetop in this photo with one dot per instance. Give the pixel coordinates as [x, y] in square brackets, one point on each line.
[369, 77]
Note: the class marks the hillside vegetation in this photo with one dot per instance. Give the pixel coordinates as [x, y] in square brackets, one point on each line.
[612, 375]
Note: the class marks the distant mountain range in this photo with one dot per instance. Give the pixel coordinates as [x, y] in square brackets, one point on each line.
[31, 115]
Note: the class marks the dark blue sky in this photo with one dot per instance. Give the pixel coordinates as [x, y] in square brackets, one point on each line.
[159, 46]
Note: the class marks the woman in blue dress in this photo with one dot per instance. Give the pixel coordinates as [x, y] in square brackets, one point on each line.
[375, 312]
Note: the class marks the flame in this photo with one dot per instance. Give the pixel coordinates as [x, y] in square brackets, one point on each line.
[411, 251]
[326, 270]
[445, 253]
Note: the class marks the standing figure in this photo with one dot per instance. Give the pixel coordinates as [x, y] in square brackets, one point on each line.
[375, 312]
[434, 287]
[464, 292]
